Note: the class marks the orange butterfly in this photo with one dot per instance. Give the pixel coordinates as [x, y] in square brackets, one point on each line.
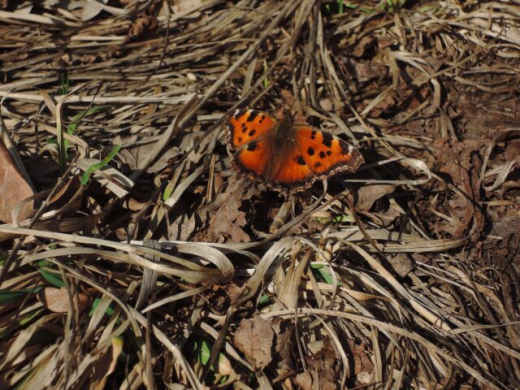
[288, 157]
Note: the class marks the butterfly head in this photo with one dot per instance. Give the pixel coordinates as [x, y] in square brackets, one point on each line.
[287, 115]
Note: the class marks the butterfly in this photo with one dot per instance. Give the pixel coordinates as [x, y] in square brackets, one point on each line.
[288, 157]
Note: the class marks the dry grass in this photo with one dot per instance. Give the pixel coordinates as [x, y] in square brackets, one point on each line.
[157, 271]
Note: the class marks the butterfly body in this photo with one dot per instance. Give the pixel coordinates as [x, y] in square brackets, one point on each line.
[288, 157]
[281, 140]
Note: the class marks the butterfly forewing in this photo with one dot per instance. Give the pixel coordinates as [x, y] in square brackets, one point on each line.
[254, 157]
[248, 125]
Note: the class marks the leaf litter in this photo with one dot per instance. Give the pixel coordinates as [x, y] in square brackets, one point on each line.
[402, 275]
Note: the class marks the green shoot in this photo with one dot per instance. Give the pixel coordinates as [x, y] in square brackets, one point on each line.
[266, 81]
[94, 167]
[64, 82]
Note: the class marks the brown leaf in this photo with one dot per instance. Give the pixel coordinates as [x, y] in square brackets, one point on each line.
[284, 345]
[462, 211]
[13, 188]
[363, 366]
[387, 217]
[254, 337]
[57, 299]
[226, 220]
[507, 225]
[401, 264]
[512, 152]
[143, 24]
[367, 195]
[323, 367]
[367, 70]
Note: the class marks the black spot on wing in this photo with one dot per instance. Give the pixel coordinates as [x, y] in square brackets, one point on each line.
[262, 118]
[329, 152]
[310, 151]
[313, 135]
[244, 127]
[300, 160]
[322, 154]
[252, 132]
[317, 165]
[252, 116]
[251, 146]
[239, 114]
[327, 140]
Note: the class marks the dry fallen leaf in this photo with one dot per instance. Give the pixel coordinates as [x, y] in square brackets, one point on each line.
[13, 188]
[367, 195]
[254, 338]
[142, 25]
[57, 299]
[284, 345]
[363, 46]
[401, 264]
[224, 218]
[512, 152]
[322, 367]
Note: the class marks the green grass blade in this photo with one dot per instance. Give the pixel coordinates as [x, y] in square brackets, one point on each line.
[94, 167]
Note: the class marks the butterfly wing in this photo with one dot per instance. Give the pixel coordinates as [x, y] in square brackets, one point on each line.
[309, 154]
[247, 125]
[326, 154]
[247, 133]
[293, 173]
[254, 158]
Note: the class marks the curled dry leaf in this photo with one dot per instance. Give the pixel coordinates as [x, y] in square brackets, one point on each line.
[13, 188]
[66, 194]
[254, 338]
[365, 44]
[367, 195]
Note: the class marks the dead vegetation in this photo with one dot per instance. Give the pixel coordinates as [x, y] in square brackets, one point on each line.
[154, 265]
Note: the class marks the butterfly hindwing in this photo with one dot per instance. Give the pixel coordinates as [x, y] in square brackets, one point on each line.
[324, 153]
[293, 172]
